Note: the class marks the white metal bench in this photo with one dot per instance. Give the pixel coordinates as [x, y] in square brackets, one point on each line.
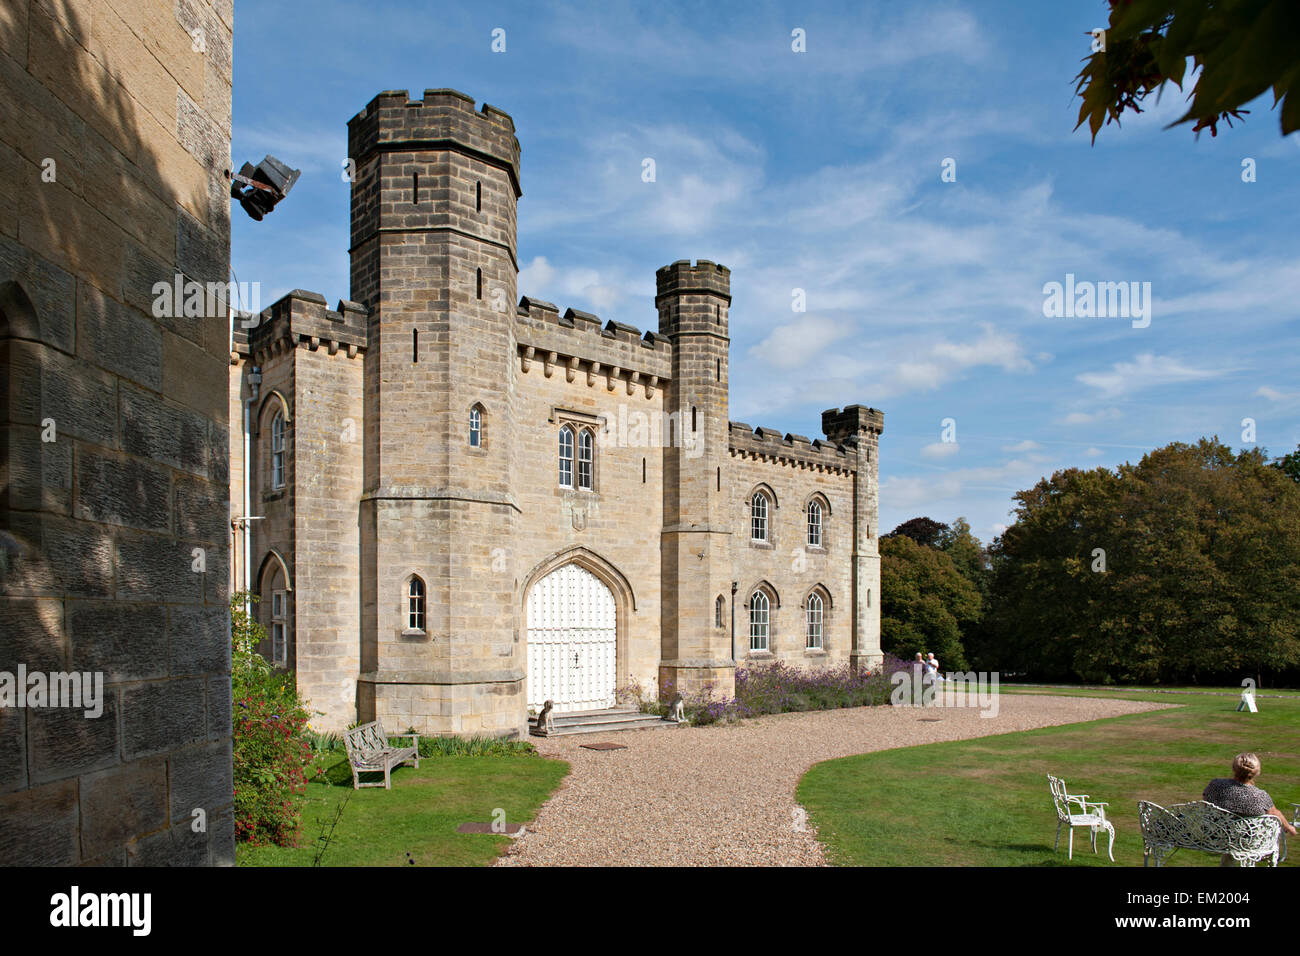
[1208, 828]
[1076, 810]
[370, 752]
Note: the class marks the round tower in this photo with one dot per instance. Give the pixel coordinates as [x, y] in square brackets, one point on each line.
[433, 260]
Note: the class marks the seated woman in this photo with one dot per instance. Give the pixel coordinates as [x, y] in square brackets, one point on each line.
[1240, 795]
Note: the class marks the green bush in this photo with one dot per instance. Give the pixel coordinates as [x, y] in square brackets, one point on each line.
[780, 688]
[477, 746]
[273, 752]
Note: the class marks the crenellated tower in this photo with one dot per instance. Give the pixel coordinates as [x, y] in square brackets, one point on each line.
[858, 429]
[433, 260]
[693, 301]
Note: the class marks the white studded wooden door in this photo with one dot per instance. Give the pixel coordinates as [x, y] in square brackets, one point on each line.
[571, 641]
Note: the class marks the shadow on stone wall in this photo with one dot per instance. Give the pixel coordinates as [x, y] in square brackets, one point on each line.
[86, 581]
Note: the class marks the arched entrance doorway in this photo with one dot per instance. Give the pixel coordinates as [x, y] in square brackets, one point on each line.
[572, 641]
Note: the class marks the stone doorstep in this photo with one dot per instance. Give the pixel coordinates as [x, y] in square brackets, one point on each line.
[601, 721]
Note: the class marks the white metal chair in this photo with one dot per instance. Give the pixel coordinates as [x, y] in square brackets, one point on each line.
[1295, 822]
[1089, 813]
[1200, 825]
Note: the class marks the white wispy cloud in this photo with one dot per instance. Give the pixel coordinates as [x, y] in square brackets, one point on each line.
[794, 345]
[940, 450]
[591, 290]
[1275, 394]
[1091, 418]
[757, 49]
[1146, 371]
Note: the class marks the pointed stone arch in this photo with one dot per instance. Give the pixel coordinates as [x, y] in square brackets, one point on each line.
[817, 605]
[18, 318]
[273, 557]
[273, 395]
[612, 577]
[30, 343]
[761, 599]
[607, 574]
[763, 488]
[821, 589]
[769, 587]
[821, 499]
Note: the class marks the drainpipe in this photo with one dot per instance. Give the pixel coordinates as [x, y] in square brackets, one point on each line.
[254, 387]
[734, 586]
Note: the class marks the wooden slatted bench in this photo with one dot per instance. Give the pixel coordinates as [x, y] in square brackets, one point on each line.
[1210, 829]
[370, 752]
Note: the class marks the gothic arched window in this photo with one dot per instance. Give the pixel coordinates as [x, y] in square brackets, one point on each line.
[814, 524]
[813, 618]
[759, 621]
[566, 457]
[758, 517]
[476, 427]
[586, 459]
[277, 451]
[415, 603]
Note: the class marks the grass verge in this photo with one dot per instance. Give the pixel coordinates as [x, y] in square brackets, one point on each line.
[984, 802]
[415, 822]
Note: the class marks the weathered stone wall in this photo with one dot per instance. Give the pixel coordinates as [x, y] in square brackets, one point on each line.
[434, 265]
[693, 301]
[859, 429]
[114, 138]
[584, 376]
[328, 435]
[793, 471]
[272, 531]
[311, 365]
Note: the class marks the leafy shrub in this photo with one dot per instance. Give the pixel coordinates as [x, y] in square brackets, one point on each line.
[476, 746]
[780, 688]
[273, 753]
[323, 742]
[633, 693]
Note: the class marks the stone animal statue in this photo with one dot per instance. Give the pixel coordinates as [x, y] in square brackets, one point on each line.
[545, 722]
[678, 711]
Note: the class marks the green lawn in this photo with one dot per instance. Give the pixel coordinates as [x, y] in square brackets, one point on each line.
[417, 819]
[1087, 690]
[985, 802]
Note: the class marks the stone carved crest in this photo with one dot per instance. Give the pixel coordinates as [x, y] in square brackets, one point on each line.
[579, 519]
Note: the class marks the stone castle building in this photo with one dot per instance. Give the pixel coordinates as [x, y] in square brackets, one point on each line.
[455, 507]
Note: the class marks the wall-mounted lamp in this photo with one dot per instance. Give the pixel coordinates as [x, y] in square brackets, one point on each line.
[258, 188]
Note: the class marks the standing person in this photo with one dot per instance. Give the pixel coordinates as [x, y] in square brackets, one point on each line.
[1239, 795]
[920, 674]
[934, 666]
[929, 674]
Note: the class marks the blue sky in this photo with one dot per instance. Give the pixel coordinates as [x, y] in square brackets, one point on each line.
[822, 171]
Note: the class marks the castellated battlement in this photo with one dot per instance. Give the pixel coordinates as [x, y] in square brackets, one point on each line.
[769, 444]
[703, 276]
[301, 319]
[851, 422]
[693, 299]
[577, 342]
[392, 121]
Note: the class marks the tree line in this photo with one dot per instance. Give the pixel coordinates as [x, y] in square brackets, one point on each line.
[1182, 568]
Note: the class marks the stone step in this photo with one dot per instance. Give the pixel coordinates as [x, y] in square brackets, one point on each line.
[604, 721]
[599, 717]
[650, 723]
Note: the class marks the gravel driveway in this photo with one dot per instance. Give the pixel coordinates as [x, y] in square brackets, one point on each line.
[709, 796]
